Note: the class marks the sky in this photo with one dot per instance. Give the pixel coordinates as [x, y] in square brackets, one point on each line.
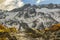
[42, 1]
[12, 4]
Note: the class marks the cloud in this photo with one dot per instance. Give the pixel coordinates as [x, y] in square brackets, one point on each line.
[11, 4]
[38, 1]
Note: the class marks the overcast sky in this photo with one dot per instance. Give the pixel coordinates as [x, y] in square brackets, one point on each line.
[12, 4]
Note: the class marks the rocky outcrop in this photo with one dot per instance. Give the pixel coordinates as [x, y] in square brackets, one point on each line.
[31, 16]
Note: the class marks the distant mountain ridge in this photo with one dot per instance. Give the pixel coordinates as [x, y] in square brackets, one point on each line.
[33, 15]
[49, 6]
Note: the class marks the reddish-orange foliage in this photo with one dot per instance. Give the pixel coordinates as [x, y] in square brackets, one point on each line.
[55, 27]
[2, 27]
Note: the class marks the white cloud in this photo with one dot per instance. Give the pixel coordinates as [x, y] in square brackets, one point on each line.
[11, 4]
[38, 1]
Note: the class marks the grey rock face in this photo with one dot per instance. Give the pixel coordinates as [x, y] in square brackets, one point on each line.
[33, 17]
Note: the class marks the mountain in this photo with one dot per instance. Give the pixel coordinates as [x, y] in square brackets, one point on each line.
[31, 17]
[22, 8]
[49, 6]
